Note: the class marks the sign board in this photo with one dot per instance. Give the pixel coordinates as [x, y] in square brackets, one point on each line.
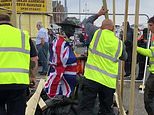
[26, 5]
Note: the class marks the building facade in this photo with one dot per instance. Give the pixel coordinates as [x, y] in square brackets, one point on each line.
[58, 7]
[29, 13]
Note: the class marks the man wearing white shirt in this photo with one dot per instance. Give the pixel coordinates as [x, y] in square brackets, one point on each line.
[42, 47]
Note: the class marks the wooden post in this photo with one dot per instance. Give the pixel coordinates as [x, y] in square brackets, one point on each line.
[124, 38]
[105, 6]
[14, 13]
[133, 68]
[119, 103]
[30, 28]
[117, 95]
[114, 12]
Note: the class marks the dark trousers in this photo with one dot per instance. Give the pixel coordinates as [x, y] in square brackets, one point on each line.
[12, 102]
[89, 94]
[149, 95]
[141, 61]
[43, 55]
[128, 62]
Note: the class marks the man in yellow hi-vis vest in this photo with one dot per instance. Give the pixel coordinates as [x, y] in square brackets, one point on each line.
[14, 67]
[149, 85]
[101, 69]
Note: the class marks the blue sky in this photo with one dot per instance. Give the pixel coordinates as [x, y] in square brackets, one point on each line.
[92, 6]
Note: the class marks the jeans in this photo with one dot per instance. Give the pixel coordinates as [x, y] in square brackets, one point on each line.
[43, 55]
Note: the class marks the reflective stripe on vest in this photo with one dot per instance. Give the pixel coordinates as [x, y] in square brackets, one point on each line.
[14, 70]
[22, 49]
[94, 51]
[100, 70]
[151, 61]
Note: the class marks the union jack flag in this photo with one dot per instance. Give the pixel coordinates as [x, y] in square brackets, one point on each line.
[62, 72]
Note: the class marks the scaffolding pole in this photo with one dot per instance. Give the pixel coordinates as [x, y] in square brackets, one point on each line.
[133, 68]
[14, 13]
[124, 38]
[105, 6]
[114, 22]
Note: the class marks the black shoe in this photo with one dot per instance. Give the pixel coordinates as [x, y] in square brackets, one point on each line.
[43, 73]
[40, 71]
[139, 78]
[127, 75]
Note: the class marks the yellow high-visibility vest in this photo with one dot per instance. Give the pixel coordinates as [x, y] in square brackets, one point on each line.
[151, 59]
[103, 56]
[150, 53]
[14, 55]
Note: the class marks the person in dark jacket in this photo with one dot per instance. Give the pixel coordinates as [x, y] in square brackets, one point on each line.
[149, 85]
[129, 48]
[142, 42]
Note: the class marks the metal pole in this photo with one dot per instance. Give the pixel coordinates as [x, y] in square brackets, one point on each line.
[79, 9]
[132, 86]
[145, 68]
[14, 13]
[2, 8]
[75, 13]
[20, 20]
[30, 30]
[66, 8]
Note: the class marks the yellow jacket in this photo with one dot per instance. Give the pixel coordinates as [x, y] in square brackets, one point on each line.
[150, 54]
[103, 55]
[15, 55]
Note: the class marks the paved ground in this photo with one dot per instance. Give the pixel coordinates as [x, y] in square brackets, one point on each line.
[139, 104]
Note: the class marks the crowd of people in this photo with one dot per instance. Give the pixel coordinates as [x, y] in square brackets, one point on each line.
[55, 54]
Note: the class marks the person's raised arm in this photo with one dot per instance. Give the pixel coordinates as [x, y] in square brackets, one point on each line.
[88, 23]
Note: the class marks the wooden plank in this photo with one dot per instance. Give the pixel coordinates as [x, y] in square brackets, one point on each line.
[133, 68]
[42, 104]
[105, 6]
[114, 12]
[119, 104]
[33, 101]
[124, 38]
[14, 13]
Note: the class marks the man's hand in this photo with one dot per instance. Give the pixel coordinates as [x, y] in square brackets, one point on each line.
[42, 41]
[102, 11]
[33, 70]
[32, 82]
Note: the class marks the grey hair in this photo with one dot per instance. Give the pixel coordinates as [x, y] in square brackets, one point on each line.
[40, 24]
